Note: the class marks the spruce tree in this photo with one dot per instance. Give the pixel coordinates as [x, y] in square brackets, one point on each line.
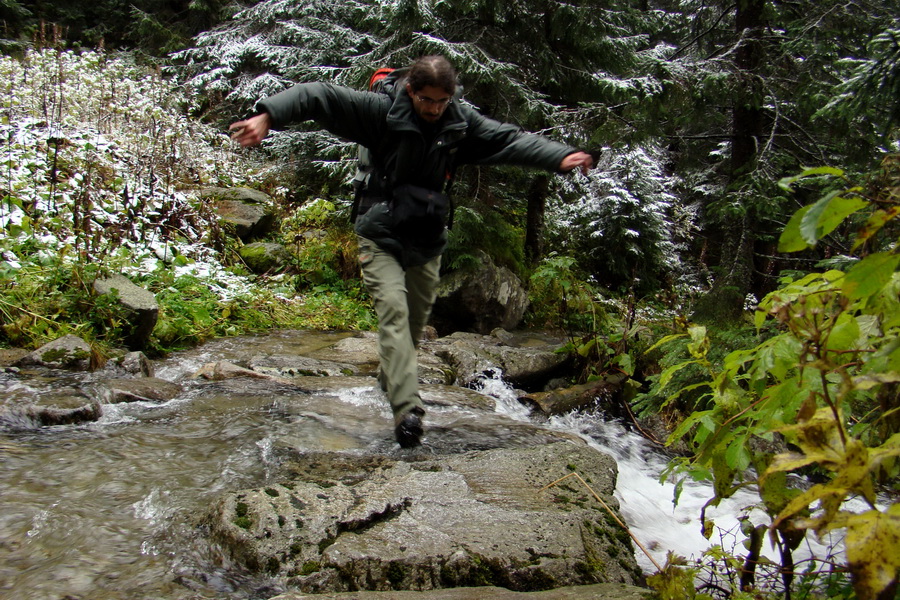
[582, 73]
[758, 75]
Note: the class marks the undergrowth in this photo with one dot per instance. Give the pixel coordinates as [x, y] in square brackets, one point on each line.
[100, 172]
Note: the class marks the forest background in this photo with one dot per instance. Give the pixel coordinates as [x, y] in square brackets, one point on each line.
[734, 252]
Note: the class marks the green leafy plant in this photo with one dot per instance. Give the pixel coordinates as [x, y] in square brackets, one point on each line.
[488, 230]
[562, 299]
[818, 394]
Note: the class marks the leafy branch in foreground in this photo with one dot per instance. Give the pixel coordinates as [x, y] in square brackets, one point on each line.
[824, 386]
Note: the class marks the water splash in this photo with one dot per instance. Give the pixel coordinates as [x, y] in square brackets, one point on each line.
[490, 383]
[156, 507]
[363, 396]
[267, 455]
[648, 504]
[40, 521]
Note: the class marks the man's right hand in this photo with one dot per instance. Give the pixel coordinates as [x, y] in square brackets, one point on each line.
[577, 160]
[251, 132]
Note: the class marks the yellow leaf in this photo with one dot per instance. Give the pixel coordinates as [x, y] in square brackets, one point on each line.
[808, 408]
[873, 549]
[699, 345]
[802, 502]
[819, 438]
[883, 456]
[708, 528]
[855, 471]
[788, 462]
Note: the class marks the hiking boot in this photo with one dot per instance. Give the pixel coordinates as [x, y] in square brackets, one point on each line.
[409, 430]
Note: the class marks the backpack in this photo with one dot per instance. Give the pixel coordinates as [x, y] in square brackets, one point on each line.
[365, 162]
[437, 205]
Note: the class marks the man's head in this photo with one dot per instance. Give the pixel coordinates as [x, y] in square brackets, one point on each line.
[431, 84]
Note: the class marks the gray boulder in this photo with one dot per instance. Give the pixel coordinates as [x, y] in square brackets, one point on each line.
[480, 299]
[361, 350]
[282, 365]
[143, 389]
[351, 522]
[523, 359]
[250, 212]
[598, 591]
[67, 352]
[223, 370]
[265, 257]
[9, 357]
[141, 305]
[136, 363]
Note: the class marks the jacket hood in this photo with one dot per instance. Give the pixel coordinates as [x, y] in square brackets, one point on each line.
[402, 116]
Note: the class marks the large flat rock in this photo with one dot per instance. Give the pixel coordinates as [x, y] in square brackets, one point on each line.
[356, 522]
[598, 591]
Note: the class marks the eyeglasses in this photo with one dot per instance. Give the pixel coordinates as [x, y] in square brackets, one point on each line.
[432, 102]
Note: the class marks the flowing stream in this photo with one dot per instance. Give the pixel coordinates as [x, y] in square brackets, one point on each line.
[106, 510]
[647, 504]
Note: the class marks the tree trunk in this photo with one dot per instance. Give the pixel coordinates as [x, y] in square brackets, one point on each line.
[534, 225]
[747, 115]
[724, 302]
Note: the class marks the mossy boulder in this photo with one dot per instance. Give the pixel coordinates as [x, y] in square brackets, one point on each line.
[141, 305]
[265, 257]
[250, 213]
[67, 352]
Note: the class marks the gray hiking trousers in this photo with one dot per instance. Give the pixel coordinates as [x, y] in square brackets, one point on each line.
[403, 302]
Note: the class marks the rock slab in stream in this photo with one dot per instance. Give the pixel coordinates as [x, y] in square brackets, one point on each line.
[598, 591]
[472, 519]
[142, 389]
[563, 400]
[62, 405]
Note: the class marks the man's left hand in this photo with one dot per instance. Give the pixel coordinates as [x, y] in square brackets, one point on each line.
[576, 160]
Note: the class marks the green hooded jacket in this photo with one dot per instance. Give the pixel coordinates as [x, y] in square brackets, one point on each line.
[408, 150]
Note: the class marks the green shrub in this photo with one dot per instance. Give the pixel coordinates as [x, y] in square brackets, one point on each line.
[835, 346]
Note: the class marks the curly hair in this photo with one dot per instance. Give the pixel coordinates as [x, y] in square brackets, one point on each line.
[432, 71]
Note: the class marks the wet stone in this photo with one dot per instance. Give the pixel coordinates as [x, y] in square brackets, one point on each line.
[50, 407]
[11, 356]
[426, 522]
[297, 366]
[144, 389]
